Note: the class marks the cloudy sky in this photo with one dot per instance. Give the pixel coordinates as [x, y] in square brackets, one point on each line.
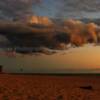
[53, 8]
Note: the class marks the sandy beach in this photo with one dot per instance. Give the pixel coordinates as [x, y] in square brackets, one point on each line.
[49, 87]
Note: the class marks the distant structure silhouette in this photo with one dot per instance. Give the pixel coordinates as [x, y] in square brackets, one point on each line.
[21, 69]
[1, 68]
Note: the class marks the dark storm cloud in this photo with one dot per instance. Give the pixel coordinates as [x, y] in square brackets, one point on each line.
[16, 8]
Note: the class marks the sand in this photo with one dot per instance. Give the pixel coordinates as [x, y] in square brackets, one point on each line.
[49, 87]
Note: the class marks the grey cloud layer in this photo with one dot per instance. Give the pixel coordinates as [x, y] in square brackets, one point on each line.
[15, 8]
[78, 8]
[60, 8]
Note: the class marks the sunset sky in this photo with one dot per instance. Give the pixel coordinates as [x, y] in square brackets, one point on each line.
[77, 59]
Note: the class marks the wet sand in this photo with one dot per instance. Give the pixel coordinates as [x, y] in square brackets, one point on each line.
[49, 87]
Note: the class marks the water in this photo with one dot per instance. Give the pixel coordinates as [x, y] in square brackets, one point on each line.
[75, 60]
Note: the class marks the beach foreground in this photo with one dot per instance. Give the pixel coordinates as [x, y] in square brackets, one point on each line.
[49, 87]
